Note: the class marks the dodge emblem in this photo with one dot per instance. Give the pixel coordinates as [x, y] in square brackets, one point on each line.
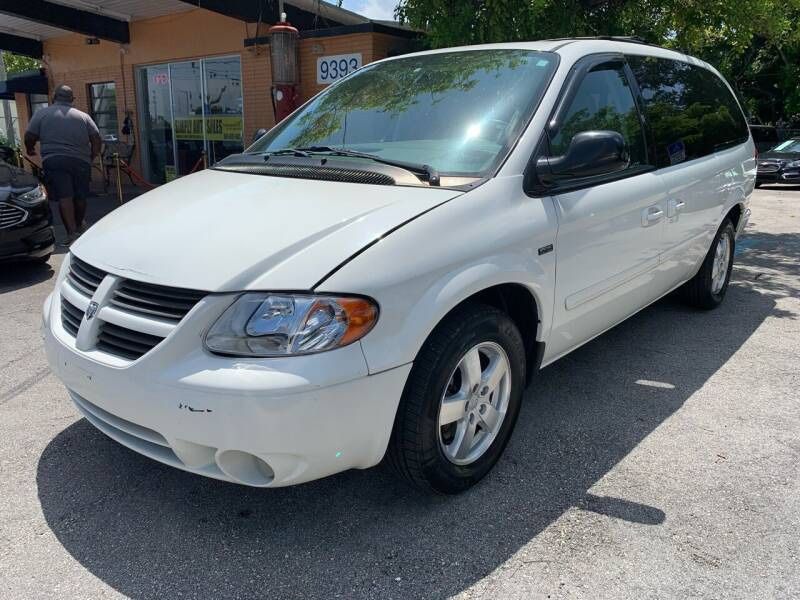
[91, 310]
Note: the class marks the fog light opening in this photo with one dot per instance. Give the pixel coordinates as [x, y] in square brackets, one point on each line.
[245, 468]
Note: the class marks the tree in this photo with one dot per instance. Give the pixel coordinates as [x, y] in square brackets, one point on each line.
[16, 63]
[754, 43]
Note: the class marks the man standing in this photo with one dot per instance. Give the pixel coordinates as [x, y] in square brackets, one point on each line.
[69, 142]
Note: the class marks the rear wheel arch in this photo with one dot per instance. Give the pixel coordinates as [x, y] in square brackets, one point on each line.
[735, 215]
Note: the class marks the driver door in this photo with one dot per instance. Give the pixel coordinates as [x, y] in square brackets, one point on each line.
[611, 226]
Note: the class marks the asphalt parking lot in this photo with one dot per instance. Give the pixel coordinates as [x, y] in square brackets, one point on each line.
[659, 461]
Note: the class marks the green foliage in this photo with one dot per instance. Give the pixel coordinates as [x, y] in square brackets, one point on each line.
[16, 63]
[754, 43]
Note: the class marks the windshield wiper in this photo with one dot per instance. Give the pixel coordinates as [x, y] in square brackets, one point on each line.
[286, 151]
[431, 175]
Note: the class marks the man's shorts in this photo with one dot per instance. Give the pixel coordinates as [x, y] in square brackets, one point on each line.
[67, 177]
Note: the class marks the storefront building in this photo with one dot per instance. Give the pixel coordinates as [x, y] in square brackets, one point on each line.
[179, 84]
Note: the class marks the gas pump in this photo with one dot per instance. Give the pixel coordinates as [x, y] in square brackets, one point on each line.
[283, 55]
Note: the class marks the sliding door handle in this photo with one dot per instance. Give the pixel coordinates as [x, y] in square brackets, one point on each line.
[651, 215]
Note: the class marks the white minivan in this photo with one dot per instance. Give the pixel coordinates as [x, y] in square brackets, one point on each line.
[383, 273]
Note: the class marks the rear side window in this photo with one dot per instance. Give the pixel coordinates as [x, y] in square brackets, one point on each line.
[691, 111]
[603, 101]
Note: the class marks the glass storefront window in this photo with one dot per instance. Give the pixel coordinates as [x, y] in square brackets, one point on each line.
[38, 102]
[223, 107]
[155, 105]
[201, 101]
[103, 104]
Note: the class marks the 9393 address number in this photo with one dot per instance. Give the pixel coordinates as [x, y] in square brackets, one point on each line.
[331, 68]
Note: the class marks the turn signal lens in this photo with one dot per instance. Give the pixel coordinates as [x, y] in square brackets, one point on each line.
[270, 325]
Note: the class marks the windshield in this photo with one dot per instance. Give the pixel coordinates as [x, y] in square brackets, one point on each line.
[787, 147]
[458, 112]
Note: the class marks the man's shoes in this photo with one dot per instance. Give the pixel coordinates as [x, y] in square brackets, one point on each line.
[70, 239]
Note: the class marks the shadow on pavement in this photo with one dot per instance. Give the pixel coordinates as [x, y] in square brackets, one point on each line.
[150, 531]
[20, 274]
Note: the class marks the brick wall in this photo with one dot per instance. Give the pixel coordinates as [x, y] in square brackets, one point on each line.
[372, 46]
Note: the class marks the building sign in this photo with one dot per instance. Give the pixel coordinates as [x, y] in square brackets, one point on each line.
[218, 128]
[331, 68]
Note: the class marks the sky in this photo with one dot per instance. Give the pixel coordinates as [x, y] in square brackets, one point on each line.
[374, 9]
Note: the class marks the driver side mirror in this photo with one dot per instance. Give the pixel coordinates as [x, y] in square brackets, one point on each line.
[589, 153]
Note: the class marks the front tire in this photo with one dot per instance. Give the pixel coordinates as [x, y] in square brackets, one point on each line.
[707, 289]
[460, 402]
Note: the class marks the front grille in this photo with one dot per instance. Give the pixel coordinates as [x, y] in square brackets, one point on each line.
[155, 300]
[124, 342]
[71, 317]
[11, 215]
[162, 306]
[83, 276]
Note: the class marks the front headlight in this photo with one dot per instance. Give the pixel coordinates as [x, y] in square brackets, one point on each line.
[270, 325]
[32, 198]
[794, 164]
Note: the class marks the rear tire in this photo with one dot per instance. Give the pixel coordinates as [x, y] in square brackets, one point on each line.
[707, 289]
[460, 402]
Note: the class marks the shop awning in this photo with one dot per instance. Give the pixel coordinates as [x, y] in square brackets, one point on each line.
[27, 82]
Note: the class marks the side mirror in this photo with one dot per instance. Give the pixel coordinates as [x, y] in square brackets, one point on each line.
[259, 133]
[590, 153]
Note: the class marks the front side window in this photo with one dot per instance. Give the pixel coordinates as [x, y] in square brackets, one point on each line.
[603, 102]
[691, 111]
[103, 102]
[458, 112]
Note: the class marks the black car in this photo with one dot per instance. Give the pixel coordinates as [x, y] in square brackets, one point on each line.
[764, 137]
[26, 223]
[781, 164]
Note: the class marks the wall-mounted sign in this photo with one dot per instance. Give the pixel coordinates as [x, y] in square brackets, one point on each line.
[331, 68]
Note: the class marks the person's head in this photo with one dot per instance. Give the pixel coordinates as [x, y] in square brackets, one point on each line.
[63, 93]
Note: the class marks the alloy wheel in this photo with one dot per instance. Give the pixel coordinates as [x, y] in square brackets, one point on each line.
[474, 403]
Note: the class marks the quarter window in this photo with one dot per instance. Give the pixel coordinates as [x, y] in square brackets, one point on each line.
[691, 112]
[603, 101]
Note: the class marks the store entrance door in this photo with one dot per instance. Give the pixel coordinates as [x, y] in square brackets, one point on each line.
[189, 107]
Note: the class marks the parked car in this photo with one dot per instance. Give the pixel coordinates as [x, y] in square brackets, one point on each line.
[781, 164]
[26, 223]
[764, 136]
[383, 273]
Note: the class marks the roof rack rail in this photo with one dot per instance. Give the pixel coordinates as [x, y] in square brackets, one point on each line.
[632, 39]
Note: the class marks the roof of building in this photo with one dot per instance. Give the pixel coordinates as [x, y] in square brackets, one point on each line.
[26, 24]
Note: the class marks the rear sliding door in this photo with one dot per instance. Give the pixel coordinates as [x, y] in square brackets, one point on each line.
[692, 115]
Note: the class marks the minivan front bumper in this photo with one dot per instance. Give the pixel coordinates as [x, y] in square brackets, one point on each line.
[265, 423]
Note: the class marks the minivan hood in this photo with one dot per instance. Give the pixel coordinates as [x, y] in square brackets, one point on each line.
[224, 231]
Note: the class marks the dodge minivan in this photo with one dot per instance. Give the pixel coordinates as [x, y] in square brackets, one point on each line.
[382, 274]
